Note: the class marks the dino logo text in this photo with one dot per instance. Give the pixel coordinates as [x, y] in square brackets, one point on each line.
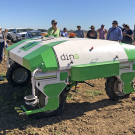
[69, 57]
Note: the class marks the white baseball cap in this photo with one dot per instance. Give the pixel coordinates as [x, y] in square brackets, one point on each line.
[0, 27]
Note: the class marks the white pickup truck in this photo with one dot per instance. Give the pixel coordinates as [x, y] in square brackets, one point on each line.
[18, 34]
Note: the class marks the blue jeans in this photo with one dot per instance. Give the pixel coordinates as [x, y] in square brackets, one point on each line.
[6, 45]
[2, 45]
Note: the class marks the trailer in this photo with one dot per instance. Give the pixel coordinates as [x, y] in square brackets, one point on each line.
[55, 65]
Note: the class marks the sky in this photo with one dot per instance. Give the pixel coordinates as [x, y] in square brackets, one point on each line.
[37, 14]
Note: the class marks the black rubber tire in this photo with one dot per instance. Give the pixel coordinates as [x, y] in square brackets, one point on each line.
[17, 39]
[109, 88]
[9, 76]
[56, 112]
[12, 39]
[9, 37]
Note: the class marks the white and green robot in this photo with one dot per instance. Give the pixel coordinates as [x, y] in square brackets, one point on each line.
[54, 65]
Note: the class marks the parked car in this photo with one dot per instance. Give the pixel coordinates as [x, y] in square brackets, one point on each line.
[10, 30]
[33, 34]
[18, 34]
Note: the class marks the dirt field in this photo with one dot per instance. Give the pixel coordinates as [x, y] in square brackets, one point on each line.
[88, 112]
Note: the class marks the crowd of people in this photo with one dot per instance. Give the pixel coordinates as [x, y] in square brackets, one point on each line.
[115, 33]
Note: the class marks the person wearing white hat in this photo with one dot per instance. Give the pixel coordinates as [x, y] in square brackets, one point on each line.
[2, 44]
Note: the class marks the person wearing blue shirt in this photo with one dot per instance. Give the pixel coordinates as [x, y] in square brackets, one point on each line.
[79, 33]
[64, 33]
[114, 33]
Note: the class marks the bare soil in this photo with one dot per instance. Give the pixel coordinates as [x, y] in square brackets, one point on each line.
[84, 113]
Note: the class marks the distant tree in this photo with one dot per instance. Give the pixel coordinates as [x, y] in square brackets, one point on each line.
[85, 31]
[71, 31]
[30, 29]
[42, 30]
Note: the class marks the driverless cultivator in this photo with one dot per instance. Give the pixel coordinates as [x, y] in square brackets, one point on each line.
[54, 65]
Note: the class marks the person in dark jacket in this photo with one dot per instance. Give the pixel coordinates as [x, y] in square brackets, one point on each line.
[123, 32]
[92, 33]
[128, 35]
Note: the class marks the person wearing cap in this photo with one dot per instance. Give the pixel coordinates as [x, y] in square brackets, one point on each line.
[2, 44]
[54, 29]
[79, 33]
[123, 32]
[128, 35]
[123, 25]
[92, 33]
[102, 32]
[114, 33]
[123, 29]
[64, 33]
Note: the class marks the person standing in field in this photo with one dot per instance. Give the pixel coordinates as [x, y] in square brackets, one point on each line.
[2, 44]
[6, 45]
[114, 33]
[5, 34]
[64, 33]
[79, 33]
[102, 32]
[92, 33]
[123, 32]
[128, 35]
[54, 29]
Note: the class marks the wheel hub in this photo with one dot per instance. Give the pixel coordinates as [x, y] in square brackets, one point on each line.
[118, 88]
[20, 75]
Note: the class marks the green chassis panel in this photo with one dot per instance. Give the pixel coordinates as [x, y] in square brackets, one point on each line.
[63, 76]
[49, 60]
[94, 71]
[130, 53]
[45, 55]
[133, 66]
[128, 88]
[127, 79]
[53, 90]
[53, 103]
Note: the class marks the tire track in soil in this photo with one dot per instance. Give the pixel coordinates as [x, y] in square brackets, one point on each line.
[83, 115]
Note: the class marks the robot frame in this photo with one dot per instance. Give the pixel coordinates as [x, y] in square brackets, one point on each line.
[55, 65]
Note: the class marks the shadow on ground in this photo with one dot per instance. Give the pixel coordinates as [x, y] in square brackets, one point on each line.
[71, 111]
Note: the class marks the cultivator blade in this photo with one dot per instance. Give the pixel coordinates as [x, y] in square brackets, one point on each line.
[20, 110]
